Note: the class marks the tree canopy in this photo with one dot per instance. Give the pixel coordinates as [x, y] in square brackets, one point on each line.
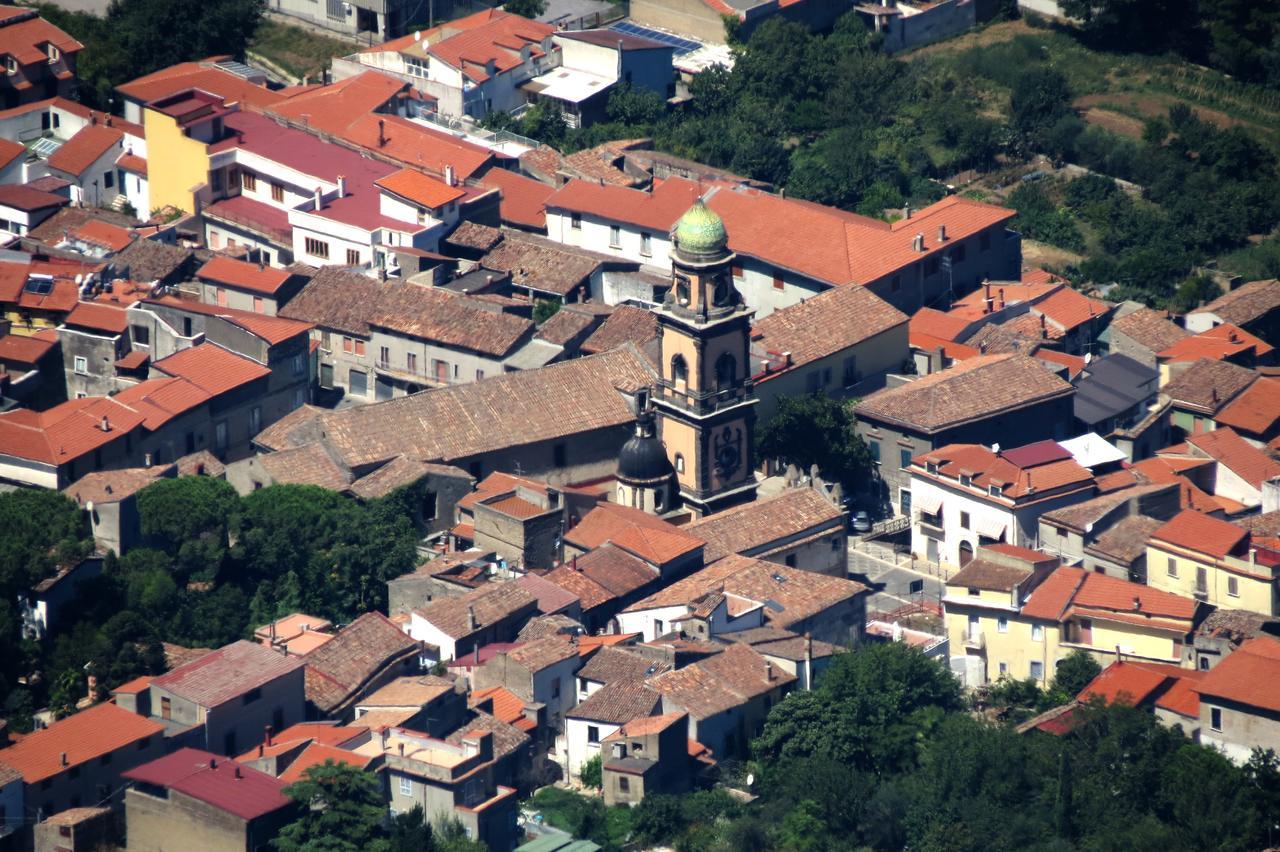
[818, 429]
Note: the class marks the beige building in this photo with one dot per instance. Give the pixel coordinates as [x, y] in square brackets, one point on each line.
[1239, 702]
[1214, 561]
[651, 756]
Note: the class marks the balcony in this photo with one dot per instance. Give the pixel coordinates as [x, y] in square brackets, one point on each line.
[975, 640]
[703, 402]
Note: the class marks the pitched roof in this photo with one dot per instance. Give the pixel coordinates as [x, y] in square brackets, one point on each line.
[990, 574]
[1256, 410]
[639, 532]
[551, 598]
[314, 464]
[824, 325]
[564, 326]
[617, 703]
[212, 368]
[1126, 539]
[84, 148]
[244, 276]
[417, 691]
[341, 667]
[721, 682]
[449, 319]
[504, 411]
[627, 324]
[765, 522]
[28, 199]
[1247, 676]
[544, 653]
[540, 264]
[112, 486]
[1150, 329]
[418, 188]
[67, 431]
[1017, 471]
[1135, 682]
[1246, 303]
[205, 75]
[398, 473]
[1218, 343]
[1209, 385]
[971, 390]
[1104, 597]
[523, 198]
[221, 783]
[468, 43]
[82, 737]
[227, 673]
[17, 350]
[1078, 516]
[506, 705]
[1236, 454]
[25, 34]
[613, 664]
[98, 316]
[146, 261]
[507, 738]
[316, 754]
[490, 603]
[1200, 533]
[603, 575]
[337, 299]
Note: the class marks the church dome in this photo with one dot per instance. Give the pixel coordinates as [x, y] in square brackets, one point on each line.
[700, 232]
[643, 461]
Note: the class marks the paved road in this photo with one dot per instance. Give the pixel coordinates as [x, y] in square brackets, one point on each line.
[896, 582]
[93, 7]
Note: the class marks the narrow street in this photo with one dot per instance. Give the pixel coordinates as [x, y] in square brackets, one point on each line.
[897, 579]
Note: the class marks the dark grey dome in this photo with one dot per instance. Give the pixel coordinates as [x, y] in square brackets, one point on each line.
[643, 460]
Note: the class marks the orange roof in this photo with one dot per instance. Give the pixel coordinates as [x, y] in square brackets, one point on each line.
[1247, 676]
[589, 644]
[271, 329]
[418, 188]
[289, 738]
[245, 276]
[1073, 363]
[1110, 596]
[25, 39]
[1218, 343]
[105, 234]
[19, 349]
[133, 687]
[414, 145]
[10, 151]
[318, 753]
[132, 163]
[1132, 681]
[1201, 534]
[66, 431]
[523, 199]
[986, 468]
[1236, 454]
[204, 75]
[935, 323]
[469, 43]
[647, 536]
[507, 706]
[1256, 410]
[1068, 308]
[85, 148]
[98, 316]
[646, 725]
[212, 368]
[82, 737]
[338, 104]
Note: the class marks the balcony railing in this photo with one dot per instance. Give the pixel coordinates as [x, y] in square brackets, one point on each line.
[975, 640]
[703, 401]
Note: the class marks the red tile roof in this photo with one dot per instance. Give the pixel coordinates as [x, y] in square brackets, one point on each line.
[244, 276]
[227, 673]
[523, 199]
[85, 148]
[1236, 454]
[467, 44]
[20, 350]
[1247, 676]
[418, 188]
[1217, 344]
[1107, 597]
[132, 163]
[1169, 687]
[25, 39]
[82, 737]
[66, 431]
[1069, 308]
[27, 199]
[639, 532]
[204, 75]
[1256, 410]
[507, 706]
[1014, 475]
[317, 754]
[935, 323]
[1201, 534]
[104, 234]
[219, 782]
[212, 368]
[271, 329]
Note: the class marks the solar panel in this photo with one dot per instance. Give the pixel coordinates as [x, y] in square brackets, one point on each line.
[681, 45]
[46, 146]
[39, 285]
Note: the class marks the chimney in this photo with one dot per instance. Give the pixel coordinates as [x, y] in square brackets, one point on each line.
[238, 775]
[449, 177]
[64, 759]
[1137, 603]
[93, 117]
[383, 734]
[906, 211]
[1253, 556]
[475, 655]
[342, 186]
[1001, 302]
[917, 244]
[382, 132]
[942, 233]
[268, 735]
[401, 746]
[108, 119]
[318, 201]
[261, 749]
[213, 763]
[105, 425]
[471, 617]
[146, 460]
[768, 670]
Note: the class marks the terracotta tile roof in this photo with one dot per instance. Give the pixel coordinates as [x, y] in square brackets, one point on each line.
[473, 235]
[1200, 533]
[341, 667]
[69, 219]
[590, 594]
[1256, 410]
[226, 674]
[85, 148]
[506, 705]
[1068, 308]
[212, 368]
[627, 324]
[656, 209]
[469, 43]
[112, 486]
[613, 664]
[824, 325]
[17, 350]
[491, 603]
[523, 198]
[416, 691]
[404, 141]
[610, 521]
[1000, 469]
[97, 316]
[25, 34]
[242, 791]
[1126, 540]
[646, 726]
[1078, 516]
[84, 736]
[316, 754]
[145, 261]
[756, 525]
[1107, 596]
[418, 188]
[1236, 454]
[66, 431]
[204, 75]
[544, 653]
[1074, 363]
[990, 575]
[243, 276]
[337, 299]
[132, 163]
[972, 390]
[399, 472]
[935, 323]
[1266, 524]
[549, 625]
[721, 682]
[27, 199]
[1246, 303]
[1150, 329]
[539, 264]
[802, 594]
[135, 686]
[1209, 344]
[449, 319]
[1247, 676]
[618, 703]
[551, 598]
[507, 738]
[1137, 682]
[1209, 385]
[565, 326]
[603, 575]
[314, 464]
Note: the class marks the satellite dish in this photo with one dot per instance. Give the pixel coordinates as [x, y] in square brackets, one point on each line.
[995, 448]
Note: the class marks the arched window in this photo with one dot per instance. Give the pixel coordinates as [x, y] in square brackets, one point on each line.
[679, 370]
[679, 463]
[726, 367]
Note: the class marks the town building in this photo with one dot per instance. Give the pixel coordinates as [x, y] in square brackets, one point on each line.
[651, 756]
[361, 657]
[422, 702]
[109, 498]
[1113, 393]
[1109, 532]
[979, 401]
[801, 527]
[1168, 691]
[966, 496]
[1217, 562]
[452, 628]
[1238, 702]
[1254, 307]
[194, 797]
[49, 605]
[1139, 332]
[231, 283]
[1238, 470]
[603, 712]
[1202, 391]
[538, 672]
[1222, 632]
[592, 64]
[295, 634]
[40, 59]
[363, 19]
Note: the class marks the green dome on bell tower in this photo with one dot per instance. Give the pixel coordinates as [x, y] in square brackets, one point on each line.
[700, 234]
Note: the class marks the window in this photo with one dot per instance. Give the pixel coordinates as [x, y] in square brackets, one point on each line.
[778, 283]
[252, 695]
[958, 253]
[317, 248]
[931, 266]
[258, 305]
[353, 257]
[326, 340]
[559, 455]
[850, 371]
[1004, 669]
[679, 370]
[624, 784]
[82, 365]
[479, 375]
[1173, 567]
[904, 501]
[1215, 718]
[593, 734]
[646, 247]
[255, 420]
[555, 687]
[1233, 587]
[904, 459]
[984, 242]
[790, 560]
[575, 221]
[277, 192]
[384, 356]
[248, 181]
[1037, 632]
[1002, 624]
[54, 54]
[411, 362]
[1036, 670]
[966, 480]
[360, 348]
[215, 183]
[10, 65]
[996, 490]
[221, 297]
[299, 364]
[406, 786]
[874, 448]
[108, 180]
[615, 236]
[220, 436]
[679, 463]
[347, 345]
[964, 520]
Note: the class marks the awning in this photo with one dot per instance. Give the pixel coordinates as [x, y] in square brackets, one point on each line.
[991, 528]
[929, 502]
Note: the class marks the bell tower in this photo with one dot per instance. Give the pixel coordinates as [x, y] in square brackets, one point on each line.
[704, 397]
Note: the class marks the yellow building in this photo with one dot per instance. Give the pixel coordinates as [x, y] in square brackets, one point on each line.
[1214, 561]
[1015, 613]
[180, 130]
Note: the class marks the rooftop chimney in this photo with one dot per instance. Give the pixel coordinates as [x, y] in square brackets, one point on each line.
[942, 233]
[401, 748]
[317, 199]
[906, 211]
[1137, 603]
[382, 132]
[449, 177]
[768, 670]
[917, 244]
[64, 759]
[268, 735]
[213, 763]
[105, 425]
[342, 186]
[471, 617]
[238, 775]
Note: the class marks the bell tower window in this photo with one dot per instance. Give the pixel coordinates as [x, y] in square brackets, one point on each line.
[679, 371]
[726, 367]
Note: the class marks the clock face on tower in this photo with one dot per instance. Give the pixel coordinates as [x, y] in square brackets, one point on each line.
[728, 452]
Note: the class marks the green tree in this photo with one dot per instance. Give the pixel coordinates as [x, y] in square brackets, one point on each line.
[340, 809]
[1040, 98]
[530, 9]
[818, 429]
[591, 773]
[188, 519]
[1195, 291]
[1073, 674]
[545, 309]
